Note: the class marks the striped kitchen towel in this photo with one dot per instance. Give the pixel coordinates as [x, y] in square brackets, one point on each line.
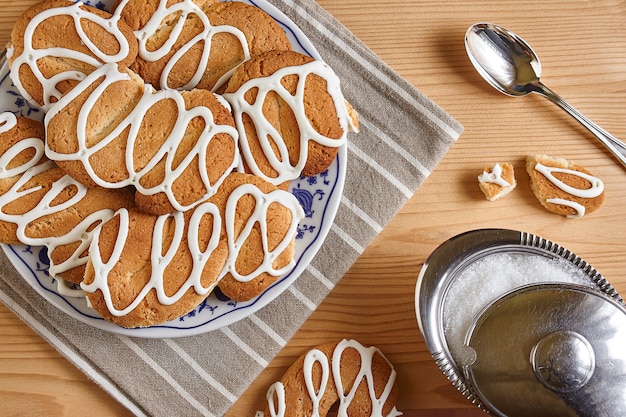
[403, 137]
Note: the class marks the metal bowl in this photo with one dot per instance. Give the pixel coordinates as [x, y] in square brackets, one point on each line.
[459, 348]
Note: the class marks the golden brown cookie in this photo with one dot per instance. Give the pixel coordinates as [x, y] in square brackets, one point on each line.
[68, 232]
[497, 180]
[196, 49]
[261, 225]
[290, 113]
[126, 286]
[21, 148]
[56, 42]
[174, 147]
[137, 13]
[42, 206]
[367, 382]
[563, 187]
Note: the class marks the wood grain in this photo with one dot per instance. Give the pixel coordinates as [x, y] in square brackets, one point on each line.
[582, 45]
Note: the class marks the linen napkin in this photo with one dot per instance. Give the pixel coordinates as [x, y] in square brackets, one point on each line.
[403, 137]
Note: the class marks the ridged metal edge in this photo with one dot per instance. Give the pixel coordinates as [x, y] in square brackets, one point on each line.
[601, 283]
[446, 367]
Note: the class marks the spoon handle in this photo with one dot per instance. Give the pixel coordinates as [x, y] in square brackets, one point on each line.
[616, 146]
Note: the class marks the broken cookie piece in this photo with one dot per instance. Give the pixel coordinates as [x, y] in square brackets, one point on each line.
[563, 187]
[497, 180]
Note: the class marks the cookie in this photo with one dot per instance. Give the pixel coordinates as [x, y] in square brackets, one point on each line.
[290, 113]
[200, 47]
[261, 225]
[497, 180]
[55, 43]
[366, 381]
[21, 148]
[42, 206]
[113, 131]
[563, 187]
[146, 269]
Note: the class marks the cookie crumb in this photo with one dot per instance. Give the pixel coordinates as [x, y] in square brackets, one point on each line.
[497, 180]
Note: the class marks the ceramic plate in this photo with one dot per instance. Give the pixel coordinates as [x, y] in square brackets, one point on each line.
[319, 196]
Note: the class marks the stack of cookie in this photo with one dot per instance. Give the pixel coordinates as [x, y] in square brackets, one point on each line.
[172, 130]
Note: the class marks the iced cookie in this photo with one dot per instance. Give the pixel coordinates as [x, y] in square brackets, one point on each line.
[497, 180]
[55, 43]
[146, 269]
[290, 113]
[112, 131]
[187, 44]
[42, 206]
[563, 187]
[366, 381]
[261, 225]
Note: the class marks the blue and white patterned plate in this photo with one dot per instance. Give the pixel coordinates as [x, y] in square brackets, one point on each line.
[319, 195]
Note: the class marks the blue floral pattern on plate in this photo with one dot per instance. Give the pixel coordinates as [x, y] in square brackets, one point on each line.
[318, 195]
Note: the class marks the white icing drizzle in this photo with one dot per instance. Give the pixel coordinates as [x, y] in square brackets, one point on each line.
[495, 176]
[263, 201]
[185, 8]
[159, 262]
[312, 357]
[6, 158]
[267, 134]
[8, 121]
[133, 123]
[30, 55]
[44, 207]
[580, 209]
[278, 407]
[66, 289]
[597, 186]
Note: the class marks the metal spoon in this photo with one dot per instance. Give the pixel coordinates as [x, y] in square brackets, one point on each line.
[510, 65]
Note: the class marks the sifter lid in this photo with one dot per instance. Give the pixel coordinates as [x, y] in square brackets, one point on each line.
[550, 350]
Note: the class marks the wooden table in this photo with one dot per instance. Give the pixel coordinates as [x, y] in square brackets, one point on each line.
[583, 49]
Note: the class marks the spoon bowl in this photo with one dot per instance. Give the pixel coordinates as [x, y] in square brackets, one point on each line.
[503, 59]
[512, 67]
